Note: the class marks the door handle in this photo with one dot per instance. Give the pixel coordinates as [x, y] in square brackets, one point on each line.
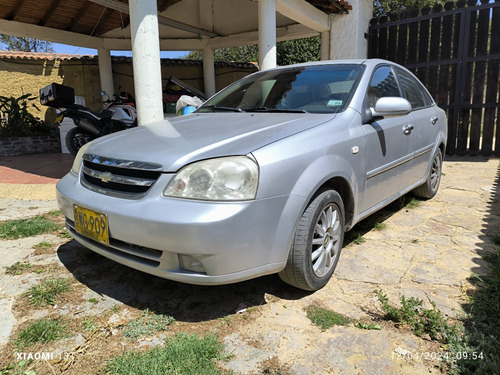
[434, 120]
[407, 129]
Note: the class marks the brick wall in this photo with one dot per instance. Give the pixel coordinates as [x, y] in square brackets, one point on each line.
[29, 145]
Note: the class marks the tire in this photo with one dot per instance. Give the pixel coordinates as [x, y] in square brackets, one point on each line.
[430, 187]
[317, 243]
[76, 138]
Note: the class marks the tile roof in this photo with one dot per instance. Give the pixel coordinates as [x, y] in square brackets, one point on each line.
[118, 59]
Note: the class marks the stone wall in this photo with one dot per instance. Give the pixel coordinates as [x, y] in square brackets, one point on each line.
[30, 145]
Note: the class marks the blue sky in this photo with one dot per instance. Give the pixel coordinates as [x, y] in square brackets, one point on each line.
[75, 50]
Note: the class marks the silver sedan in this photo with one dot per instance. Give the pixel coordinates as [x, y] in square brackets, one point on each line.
[264, 178]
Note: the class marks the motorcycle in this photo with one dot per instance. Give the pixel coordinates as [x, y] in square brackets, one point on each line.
[117, 115]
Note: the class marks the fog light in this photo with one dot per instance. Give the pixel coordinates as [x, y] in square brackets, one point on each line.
[189, 263]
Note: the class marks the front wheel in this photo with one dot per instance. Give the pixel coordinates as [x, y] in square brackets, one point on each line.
[76, 138]
[317, 243]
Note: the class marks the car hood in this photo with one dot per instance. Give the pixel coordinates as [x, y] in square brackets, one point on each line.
[179, 141]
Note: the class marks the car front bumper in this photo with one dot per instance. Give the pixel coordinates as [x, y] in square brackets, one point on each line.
[232, 241]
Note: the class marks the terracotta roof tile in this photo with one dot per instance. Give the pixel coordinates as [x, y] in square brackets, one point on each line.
[122, 59]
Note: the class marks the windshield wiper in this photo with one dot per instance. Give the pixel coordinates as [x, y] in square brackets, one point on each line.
[215, 108]
[275, 110]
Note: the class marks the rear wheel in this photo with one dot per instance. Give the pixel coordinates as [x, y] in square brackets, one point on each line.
[431, 185]
[76, 138]
[317, 243]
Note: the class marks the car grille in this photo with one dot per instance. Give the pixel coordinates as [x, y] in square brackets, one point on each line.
[120, 178]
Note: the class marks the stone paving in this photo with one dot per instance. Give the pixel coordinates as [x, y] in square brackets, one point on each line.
[428, 252]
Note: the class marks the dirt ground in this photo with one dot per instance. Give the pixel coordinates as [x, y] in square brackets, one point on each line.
[428, 252]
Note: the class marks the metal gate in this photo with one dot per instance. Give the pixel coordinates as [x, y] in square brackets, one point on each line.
[455, 52]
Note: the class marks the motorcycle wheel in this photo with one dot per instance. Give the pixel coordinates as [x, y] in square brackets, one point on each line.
[76, 138]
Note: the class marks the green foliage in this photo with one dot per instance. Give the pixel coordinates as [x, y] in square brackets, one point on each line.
[13, 229]
[182, 354]
[287, 52]
[325, 318]
[482, 327]
[16, 120]
[368, 326]
[17, 268]
[18, 368]
[421, 320]
[41, 331]
[20, 43]
[47, 291]
[384, 7]
[148, 324]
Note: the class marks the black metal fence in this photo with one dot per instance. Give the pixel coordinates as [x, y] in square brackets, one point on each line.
[455, 52]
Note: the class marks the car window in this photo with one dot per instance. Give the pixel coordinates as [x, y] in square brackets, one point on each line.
[315, 89]
[382, 84]
[413, 90]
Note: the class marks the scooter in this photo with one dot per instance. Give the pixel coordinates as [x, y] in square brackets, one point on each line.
[117, 115]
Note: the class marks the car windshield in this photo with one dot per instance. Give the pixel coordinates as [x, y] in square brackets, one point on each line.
[301, 89]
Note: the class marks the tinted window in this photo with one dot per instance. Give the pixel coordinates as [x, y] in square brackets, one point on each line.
[413, 90]
[383, 83]
[315, 89]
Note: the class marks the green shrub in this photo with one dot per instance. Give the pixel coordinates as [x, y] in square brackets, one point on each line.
[16, 120]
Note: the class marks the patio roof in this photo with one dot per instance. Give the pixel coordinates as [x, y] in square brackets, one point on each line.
[97, 18]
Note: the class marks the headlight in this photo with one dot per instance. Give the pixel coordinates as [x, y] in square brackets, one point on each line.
[78, 158]
[232, 178]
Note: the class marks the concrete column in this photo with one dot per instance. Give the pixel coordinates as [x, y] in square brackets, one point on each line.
[267, 34]
[325, 45]
[348, 31]
[209, 71]
[146, 60]
[106, 72]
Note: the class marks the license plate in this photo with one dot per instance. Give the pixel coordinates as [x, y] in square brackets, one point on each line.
[91, 224]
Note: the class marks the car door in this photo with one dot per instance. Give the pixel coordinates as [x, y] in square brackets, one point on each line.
[390, 145]
[425, 119]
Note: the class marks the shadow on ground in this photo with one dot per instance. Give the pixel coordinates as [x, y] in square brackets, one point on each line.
[184, 302]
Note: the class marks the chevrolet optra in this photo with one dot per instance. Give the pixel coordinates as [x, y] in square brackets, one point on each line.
[265, 177]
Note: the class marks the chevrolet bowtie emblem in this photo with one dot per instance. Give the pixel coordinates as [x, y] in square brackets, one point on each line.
[105, 177]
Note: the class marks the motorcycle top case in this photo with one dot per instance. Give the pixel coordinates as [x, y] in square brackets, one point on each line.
[57, 96]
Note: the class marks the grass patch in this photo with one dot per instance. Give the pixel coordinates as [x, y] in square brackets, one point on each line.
[47, 291]
[18, 368]
[182, 354]
[14, 229]
[17, 268]
[413, 203]
[42, 245]
[379, 226]
[478, 352]
[41, 331]
[325, 318]
[148, 324]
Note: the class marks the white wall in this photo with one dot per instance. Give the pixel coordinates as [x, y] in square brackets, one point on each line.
[347, 38]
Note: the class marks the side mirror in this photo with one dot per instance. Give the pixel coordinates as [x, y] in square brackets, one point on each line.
[391, 106]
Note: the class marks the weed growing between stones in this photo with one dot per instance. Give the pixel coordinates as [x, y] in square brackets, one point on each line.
[325, 318]
[182, 354]
[41, 331]
[47, 291]
[148, 324]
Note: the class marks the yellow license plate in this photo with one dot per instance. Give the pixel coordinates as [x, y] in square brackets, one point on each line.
[91, 224]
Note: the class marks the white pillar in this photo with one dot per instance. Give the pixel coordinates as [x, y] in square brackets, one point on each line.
[209, 71]
[106, 72]
[267, 34]
[325, 45]
[146, 60]
[347, 31]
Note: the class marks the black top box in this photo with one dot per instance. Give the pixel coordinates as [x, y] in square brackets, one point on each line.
[57, 96]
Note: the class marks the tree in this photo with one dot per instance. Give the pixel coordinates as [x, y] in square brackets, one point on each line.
[384, 7]
[18, 43]
[287, 52]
